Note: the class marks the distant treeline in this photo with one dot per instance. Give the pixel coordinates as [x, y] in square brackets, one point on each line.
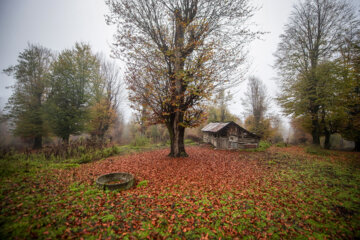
[70, 93]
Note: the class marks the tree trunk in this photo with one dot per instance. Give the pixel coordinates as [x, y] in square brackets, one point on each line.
[315, 137]
[37, 142]
[314, 107]
[178, 146]
[327, 139]
[222, 115]
[38, 121]
[357, 145]
[181, 144]
[315, 132]
[176, 129]
[177, 139]
[66, 139]
[171, 135]
[326, 131]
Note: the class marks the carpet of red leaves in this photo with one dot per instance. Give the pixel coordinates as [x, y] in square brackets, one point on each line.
[185, 179]
[205, 169]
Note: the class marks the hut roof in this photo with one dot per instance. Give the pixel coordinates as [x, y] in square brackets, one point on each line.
[216, 127]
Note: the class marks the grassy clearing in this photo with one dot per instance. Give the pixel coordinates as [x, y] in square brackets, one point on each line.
[19, 163]
[319, 196]
[295, 195]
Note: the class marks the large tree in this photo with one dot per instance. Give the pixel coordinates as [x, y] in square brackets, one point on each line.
[313, 35]
[73, 75]
[25, 107]
[177, 53]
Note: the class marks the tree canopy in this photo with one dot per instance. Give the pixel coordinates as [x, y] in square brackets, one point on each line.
[73, 74]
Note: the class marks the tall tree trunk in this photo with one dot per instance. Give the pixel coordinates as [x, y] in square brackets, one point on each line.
[179, 131]
[37, 142]
[326, 130]
[222, 115]
[171, 135]
[327, 139]
[314, 107]
[357, 145]
[178, 148]
[66, 139]
[315, 132]
[38, 121]
[181, 142]
[177, 145]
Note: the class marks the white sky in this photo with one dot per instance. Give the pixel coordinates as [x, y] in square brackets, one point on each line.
[58, 24]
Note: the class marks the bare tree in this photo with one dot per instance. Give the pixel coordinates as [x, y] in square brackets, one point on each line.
[256, 102]
[106, 98]
[177, 54]
[313, 35]
[222, 100]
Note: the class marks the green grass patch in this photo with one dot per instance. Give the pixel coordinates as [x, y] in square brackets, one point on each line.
[317, 150]
[142, 184]
[190, 142]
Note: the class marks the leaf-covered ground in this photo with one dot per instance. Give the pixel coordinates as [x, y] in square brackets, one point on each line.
[280, 193]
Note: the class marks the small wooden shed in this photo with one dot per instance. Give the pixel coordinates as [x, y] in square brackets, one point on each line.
[229, 135]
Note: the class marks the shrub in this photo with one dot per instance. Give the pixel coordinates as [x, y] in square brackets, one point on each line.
[140, 141]
[263, 145]
[281, 144]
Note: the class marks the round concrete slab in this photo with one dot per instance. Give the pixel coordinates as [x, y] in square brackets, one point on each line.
[115, 181]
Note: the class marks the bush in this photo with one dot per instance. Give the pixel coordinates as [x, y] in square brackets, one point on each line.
[115, 150]
[263, 145]
[281, 144]
[140, 141]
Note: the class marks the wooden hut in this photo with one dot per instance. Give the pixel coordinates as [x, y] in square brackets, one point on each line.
[229, 135]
